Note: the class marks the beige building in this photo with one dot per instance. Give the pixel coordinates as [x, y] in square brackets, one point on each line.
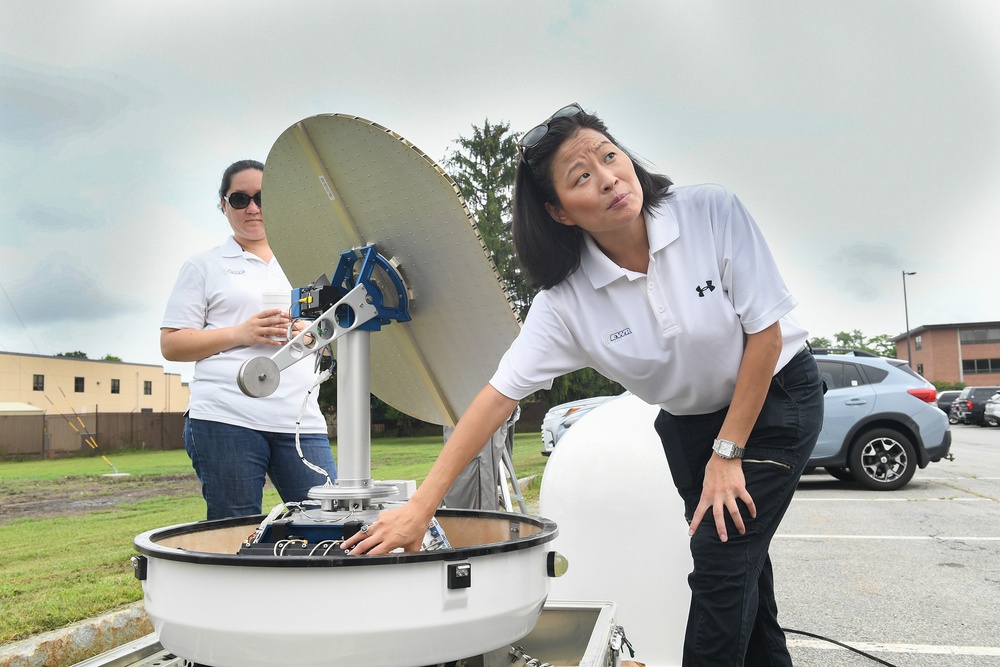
[86, 386]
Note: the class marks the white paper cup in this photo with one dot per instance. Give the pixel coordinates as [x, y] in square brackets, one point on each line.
[282, 299]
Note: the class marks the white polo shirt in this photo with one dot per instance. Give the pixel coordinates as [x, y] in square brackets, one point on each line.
[222, 287]
[673, 336]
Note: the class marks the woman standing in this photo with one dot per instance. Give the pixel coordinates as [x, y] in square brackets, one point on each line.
[672, 292]
[214, 317]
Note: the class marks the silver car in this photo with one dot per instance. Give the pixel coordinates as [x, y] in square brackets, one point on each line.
[991, 415]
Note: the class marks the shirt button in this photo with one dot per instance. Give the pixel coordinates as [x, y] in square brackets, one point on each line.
[660, 309]
[651, 286]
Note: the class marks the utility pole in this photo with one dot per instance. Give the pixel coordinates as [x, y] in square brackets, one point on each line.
[906, 311]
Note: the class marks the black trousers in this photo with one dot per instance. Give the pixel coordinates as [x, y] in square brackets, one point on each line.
[733, 619]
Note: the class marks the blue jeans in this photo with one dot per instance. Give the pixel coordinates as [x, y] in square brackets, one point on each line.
[232, 461]
[733, 619]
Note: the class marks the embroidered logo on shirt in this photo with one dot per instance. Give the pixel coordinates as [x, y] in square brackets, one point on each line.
[615, 336]
[709, 287]
[237, 273]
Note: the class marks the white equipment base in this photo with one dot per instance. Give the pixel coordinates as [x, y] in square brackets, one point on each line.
[621, 525]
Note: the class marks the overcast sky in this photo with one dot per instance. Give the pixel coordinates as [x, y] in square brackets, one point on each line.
[862, 135]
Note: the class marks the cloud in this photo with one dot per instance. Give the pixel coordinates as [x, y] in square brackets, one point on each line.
[45, 218]
[866, 270]
[48, 105]
[59, 289]
[862, 137]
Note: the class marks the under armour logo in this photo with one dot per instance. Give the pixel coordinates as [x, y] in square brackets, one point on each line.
[709, 287]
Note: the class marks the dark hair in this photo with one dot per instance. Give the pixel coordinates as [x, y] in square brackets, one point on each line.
[235, 168]
[548, 251]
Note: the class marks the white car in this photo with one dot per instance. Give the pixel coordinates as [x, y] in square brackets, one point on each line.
[558, 419]
[991, 415]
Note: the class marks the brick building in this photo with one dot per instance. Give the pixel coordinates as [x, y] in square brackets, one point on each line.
[967, 352]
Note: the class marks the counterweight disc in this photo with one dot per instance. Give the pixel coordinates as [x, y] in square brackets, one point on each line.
[258, 377]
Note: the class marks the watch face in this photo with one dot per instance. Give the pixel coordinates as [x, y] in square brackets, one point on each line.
[725, 449]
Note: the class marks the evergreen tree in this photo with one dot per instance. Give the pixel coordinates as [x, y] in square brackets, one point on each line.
[483, 166]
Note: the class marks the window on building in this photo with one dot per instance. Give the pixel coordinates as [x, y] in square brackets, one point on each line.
[974, 366]
[38, 383]
[147, 387]
[78, 385]
[920, 368]
[116, 386]
[917, 342]
[978, 336]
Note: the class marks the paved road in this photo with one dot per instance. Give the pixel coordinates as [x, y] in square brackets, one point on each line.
[910, 576]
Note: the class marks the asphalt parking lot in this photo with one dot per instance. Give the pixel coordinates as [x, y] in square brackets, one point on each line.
[910, 576]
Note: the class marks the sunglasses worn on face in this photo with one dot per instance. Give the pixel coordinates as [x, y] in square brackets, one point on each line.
[241, 200]
[535, 134]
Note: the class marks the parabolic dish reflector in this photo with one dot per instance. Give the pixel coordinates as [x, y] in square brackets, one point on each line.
[334, 182]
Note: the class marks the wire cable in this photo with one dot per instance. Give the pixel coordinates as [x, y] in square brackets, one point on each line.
[18, 316]
[323, 377]
[89, 439]
[840, 644]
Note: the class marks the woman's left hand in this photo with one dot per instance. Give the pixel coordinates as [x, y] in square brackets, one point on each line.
[724, 486]
[400, 527]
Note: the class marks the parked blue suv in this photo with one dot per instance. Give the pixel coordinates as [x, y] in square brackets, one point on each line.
[881, 423]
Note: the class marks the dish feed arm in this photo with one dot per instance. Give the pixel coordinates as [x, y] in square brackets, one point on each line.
[260, 376]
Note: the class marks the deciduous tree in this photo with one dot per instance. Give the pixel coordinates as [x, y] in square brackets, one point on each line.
[857, 340]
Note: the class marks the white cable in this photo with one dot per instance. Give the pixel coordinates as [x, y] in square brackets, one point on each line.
[320, 379]
[259, 533]
[329, 545]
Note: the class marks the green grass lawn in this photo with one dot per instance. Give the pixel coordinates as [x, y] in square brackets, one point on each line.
[54, 572]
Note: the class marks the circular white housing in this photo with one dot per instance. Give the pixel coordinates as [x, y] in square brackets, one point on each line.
[213, 607]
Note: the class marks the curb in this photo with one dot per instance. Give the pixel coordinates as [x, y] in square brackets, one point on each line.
[70, 645]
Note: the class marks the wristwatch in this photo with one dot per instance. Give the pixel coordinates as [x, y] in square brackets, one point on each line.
[727, 449]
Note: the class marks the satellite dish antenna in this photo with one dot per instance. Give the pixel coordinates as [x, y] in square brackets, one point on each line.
[336, 182]
[340, 189]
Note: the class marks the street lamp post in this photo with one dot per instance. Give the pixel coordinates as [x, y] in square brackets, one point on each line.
[906, 312]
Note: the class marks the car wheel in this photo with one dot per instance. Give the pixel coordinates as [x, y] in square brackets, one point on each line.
[843, 474]
[883, 459]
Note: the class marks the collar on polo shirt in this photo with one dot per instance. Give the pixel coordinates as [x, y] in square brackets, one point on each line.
[661, 230]
[231, 248]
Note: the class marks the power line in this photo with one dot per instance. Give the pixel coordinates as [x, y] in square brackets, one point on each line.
[18, 316]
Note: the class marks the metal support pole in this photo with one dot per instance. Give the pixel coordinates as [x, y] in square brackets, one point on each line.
[354, 409]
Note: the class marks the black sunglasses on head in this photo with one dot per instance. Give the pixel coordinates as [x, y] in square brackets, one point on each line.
[241, 200]
[535, 134]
